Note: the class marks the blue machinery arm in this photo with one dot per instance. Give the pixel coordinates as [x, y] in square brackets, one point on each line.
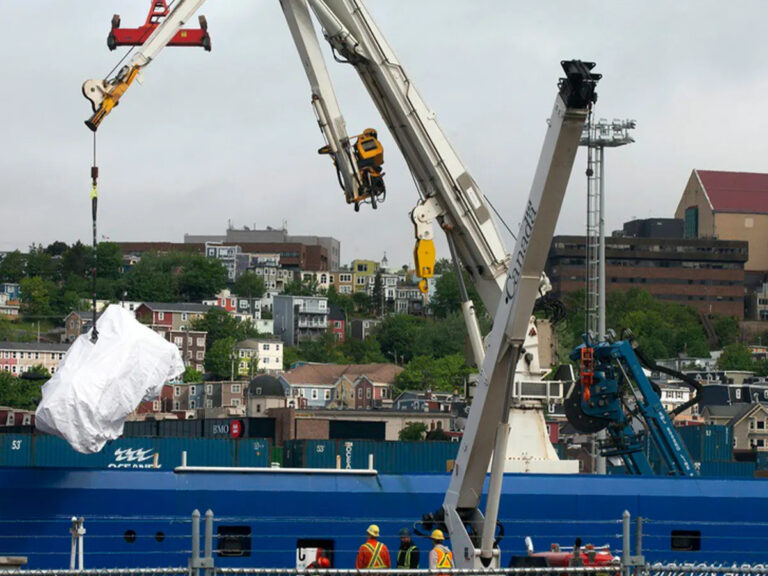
[610, 374]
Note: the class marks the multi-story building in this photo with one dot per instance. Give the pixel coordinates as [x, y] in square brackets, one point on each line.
[409, 300]
[362, 328]
[264, 393]
[363, 272]
[344, 281]
[76, 323]
[9, 308]
[330, 384]
[11, 289]
[191, 345]
[337, 321]
[20, 357]
[259, 355]
[729, 206]
[706, 274]
[175, 315]
[757, 304]
[227, 255]
[300, 318]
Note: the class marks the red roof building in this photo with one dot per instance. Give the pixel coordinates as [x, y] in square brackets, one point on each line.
[729, 206]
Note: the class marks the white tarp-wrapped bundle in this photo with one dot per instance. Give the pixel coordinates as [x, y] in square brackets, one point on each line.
[98, 384]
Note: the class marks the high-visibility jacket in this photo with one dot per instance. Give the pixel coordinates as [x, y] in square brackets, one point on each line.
[373, 555]
[408, 556]
[440, 557]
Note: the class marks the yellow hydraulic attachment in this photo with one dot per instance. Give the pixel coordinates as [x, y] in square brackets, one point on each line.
[369, 156]
[424, 257]
[106, 95]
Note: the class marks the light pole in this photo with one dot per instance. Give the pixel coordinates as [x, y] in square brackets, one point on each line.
[597, 136]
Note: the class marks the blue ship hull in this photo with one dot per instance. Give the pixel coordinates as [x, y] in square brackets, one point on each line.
[142, 518]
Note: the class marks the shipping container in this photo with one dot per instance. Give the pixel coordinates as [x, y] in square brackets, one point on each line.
[143, 429]
[356, 430]
[253, 452]
[134, 453]
[388, 457]
[15, 449]
[708, 443]
[762, 460]
[180, 428]
[727, 469]
[260, 428]
[224, 428]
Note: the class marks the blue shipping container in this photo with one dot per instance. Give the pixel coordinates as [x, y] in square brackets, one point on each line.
[707, 443]
[133, 453]
[727, 469]
[15, 449]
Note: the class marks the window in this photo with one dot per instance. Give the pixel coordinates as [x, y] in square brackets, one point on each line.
[235, 401]
[737, 393]
[761, 424]
[209, 403]
[192, 404]
[760, 443]
[201, 341]
[177, 390]
[314, 393]
[236, 388]
[361, 281]
[199, 355]
[161, 315]
[209, 388]
[691, 224]
[360, 393]
[176, 405]
[183, 316]
[685, 540]
[193, 390]
[368, 393]
[13, 369]
[265, 347]
[156, 405]
[234, 541]
[179, 341]
[327, 394]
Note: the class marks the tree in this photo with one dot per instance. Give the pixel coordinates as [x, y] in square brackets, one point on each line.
[200, 278]
[297, 287]
[39, 263]
[109, 260]
[57, 248]
[249, 285]
[397, 335]
[427, 373]
[377, 297]
[38, 372]
[192, 375]
[363, 303]
[36, 296]
[727, 329]
[19, 393]
[412, 431]
[447, 297]
[220, 324]
[220, 358]
[736, 357]
[12, 266]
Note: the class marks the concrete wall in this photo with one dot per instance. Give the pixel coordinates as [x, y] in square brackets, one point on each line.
[752, 228]
[693, 195]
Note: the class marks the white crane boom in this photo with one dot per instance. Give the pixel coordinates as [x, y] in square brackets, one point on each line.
[448, 195]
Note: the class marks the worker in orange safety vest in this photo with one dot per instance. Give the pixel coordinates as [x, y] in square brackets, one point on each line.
[373, 555]
[440, 557]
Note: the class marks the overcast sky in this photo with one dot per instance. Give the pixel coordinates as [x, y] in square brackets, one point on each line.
[230, 135]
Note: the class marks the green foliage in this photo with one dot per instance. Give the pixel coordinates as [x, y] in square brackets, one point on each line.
[663, 329]
[19, 392]
[219, 359]
[443, 265]
[12, 267]
[437, 435]
[36, 296]
[249, 285]
[176, 276]
[412, 432]
[40, 263]
[109, 260]
[364, 304]
[437, 374]
[727, 329]
[377, 297]
[398, 334]
[301, 288]
[290, 356]
[38, 372]
[192, 375]
[342, 301]
[447, 298]
[221, 325]
[736, 357]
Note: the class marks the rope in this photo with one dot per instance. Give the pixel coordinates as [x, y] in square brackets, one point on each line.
[94, 267]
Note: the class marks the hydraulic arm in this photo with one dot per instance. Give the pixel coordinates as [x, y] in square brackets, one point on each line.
[613, 393]
[105, 94]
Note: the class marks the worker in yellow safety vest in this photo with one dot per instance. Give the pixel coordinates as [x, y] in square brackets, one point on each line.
[373, 555]
[440, 557]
